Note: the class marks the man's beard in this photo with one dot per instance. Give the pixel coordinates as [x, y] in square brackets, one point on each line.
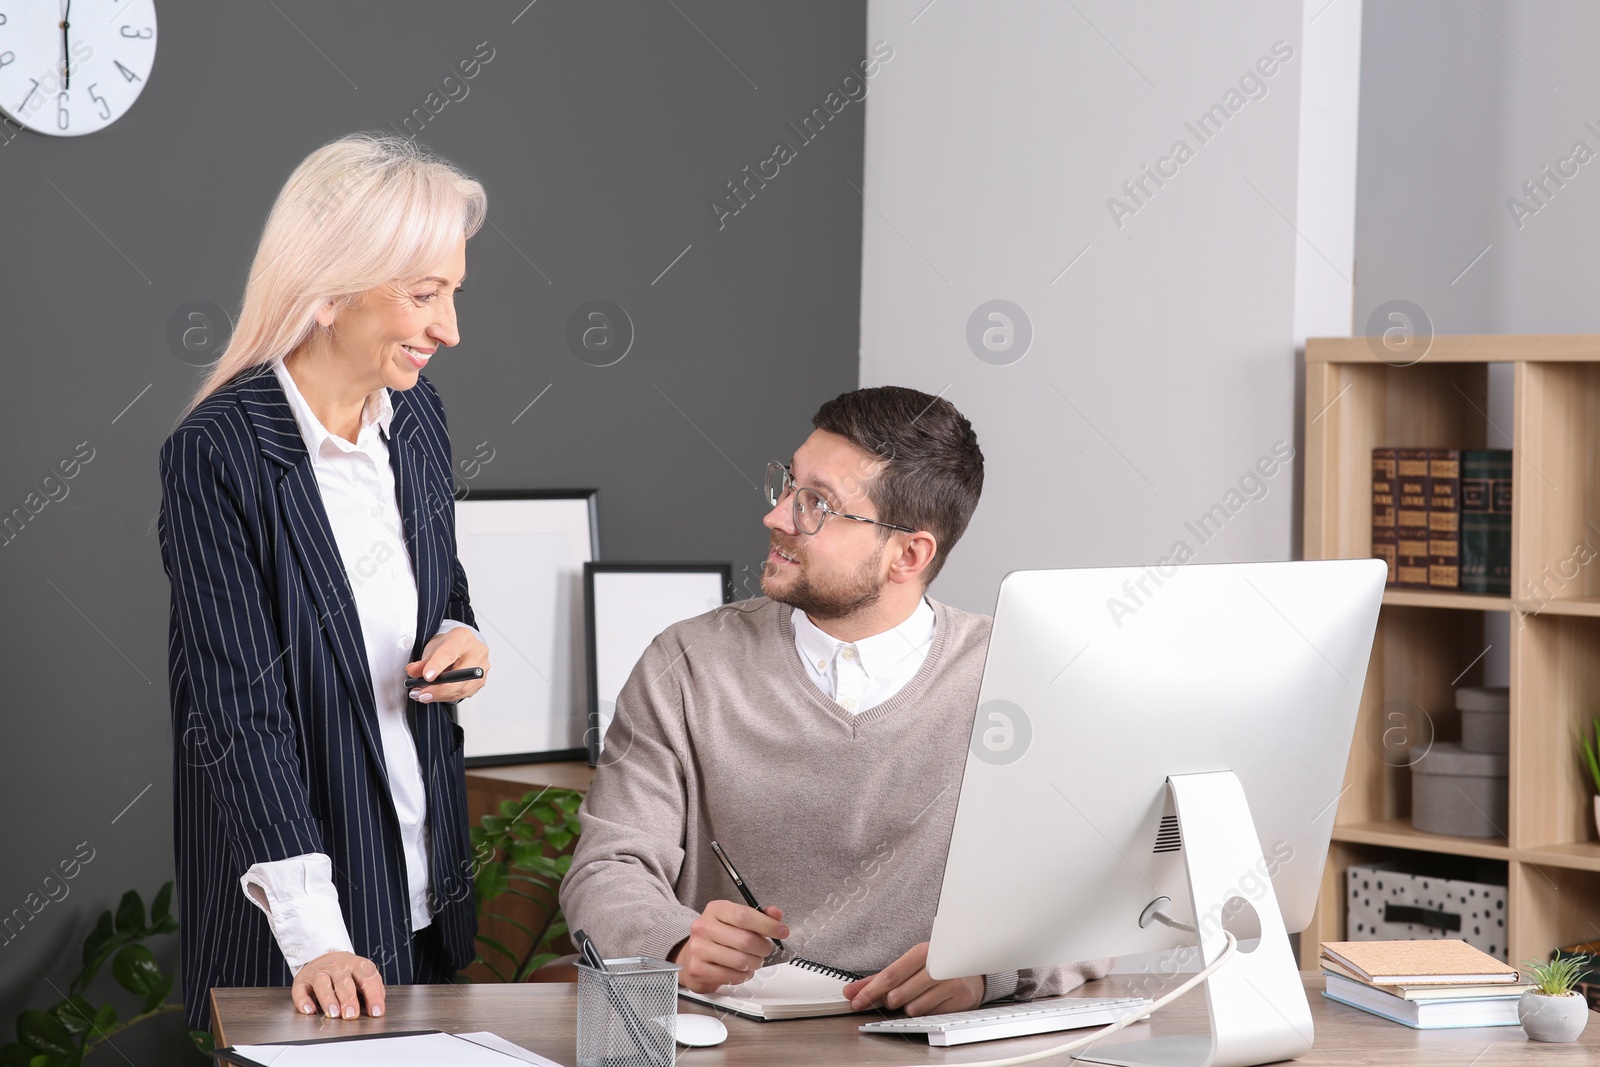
[834, 599]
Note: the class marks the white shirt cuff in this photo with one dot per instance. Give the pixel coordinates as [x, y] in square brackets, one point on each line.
[446, 625]
[302, 906]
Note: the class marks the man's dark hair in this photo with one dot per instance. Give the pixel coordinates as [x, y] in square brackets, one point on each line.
[933, 471]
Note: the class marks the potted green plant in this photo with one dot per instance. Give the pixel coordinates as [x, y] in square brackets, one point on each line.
[1589, 742]
[76, 1026]
[524, 852]
[1553, 1010]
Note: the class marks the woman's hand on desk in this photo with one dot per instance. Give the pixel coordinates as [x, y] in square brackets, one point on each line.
[726, 944]
[451, 650]
[338, 982]
[905, 983]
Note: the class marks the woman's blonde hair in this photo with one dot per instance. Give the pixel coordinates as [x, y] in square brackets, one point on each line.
[359, 212]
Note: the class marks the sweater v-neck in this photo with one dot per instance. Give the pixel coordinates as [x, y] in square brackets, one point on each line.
[908, 694]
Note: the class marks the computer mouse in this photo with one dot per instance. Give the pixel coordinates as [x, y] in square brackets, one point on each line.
[700, 1031]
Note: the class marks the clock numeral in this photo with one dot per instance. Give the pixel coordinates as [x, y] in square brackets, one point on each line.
[7, 58]
[105, 108]
[63, 119]
[126, 73]
[143, 35]
[2, 18]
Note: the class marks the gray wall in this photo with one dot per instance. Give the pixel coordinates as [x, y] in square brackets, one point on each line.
[1461, 104]
[1162, 364]
[601, 130]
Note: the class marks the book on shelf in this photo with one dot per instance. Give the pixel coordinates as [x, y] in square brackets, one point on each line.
[1383, 529]
[1436, 1014]
[1444, 519]
[1423, 962]
[1411, 518]
[1486, 521]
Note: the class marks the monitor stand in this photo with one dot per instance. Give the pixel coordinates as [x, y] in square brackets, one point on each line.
[1258, 1008]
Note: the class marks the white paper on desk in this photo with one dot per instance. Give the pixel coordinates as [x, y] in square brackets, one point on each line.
[414, 1050]
[495, 1041]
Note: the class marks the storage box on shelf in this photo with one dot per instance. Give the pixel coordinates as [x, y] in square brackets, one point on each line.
[1429, 643]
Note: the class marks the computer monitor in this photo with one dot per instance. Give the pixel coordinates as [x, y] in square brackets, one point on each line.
[1150, 733]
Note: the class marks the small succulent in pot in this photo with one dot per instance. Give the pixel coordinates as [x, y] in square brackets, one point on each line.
[1554, 1010]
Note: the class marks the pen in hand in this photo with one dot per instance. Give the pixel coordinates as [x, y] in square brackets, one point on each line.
[744, 890]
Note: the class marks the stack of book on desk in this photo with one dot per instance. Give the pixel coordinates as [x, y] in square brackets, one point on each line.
[1427, 985]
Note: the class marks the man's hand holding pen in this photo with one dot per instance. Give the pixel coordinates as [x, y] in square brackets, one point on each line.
[726, 945]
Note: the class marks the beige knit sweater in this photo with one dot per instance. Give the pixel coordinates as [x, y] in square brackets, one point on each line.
[841, 820]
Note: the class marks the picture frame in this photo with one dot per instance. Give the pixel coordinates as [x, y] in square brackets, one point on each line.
[625, 606]
[524, 551]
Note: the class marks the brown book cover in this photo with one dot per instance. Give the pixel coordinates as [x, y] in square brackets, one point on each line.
[1446, 962]
[1444, 518]
[1411, 518]
[1433, 991]
[1383, 528]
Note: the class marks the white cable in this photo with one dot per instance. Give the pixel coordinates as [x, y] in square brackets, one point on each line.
[1133, 1016]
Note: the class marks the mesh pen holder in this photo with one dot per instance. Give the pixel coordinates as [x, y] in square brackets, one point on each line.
[628, 1016]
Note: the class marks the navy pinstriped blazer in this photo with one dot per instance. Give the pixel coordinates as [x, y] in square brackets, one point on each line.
[276, 729]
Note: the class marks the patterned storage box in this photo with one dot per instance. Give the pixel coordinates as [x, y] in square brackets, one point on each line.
[1387, 904]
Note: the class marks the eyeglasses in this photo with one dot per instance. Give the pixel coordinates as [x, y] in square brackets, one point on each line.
[810, 510]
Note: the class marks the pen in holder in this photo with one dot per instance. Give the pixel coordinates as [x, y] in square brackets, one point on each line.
[627, 1009]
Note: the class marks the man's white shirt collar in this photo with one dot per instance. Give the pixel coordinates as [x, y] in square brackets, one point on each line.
[890, 659]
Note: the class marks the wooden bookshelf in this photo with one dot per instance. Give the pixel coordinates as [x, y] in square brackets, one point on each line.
[1428, 643]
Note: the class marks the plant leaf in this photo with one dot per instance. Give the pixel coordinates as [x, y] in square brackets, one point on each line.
[136, 971]
[161, 906]
[203, 1040]
[497, 946]
[15, 1055]
[97, 937]
[533, 964]
[509, 921]
[75, 1014]
[90, 969]
[130, 913]
[44, 1033]
[526, 853]
[105, 1018]
[158, 993]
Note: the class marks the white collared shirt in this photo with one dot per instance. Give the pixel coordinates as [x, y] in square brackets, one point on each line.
[863, 674]
[357, 487]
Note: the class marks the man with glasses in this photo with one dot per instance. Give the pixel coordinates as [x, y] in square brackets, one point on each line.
[817, 733]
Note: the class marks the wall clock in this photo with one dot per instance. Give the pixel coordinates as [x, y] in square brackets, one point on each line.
[70, 67]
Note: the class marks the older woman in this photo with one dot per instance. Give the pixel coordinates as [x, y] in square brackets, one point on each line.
[308, 529]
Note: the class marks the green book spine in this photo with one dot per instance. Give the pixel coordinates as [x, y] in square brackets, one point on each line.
[1500, 524]
[1477, 481]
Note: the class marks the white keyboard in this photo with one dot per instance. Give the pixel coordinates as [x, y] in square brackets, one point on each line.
[1011, 1020]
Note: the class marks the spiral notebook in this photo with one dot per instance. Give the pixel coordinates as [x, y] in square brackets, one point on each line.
[794, 989]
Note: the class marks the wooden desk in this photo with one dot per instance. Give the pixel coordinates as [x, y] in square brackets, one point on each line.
[543, 1019]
